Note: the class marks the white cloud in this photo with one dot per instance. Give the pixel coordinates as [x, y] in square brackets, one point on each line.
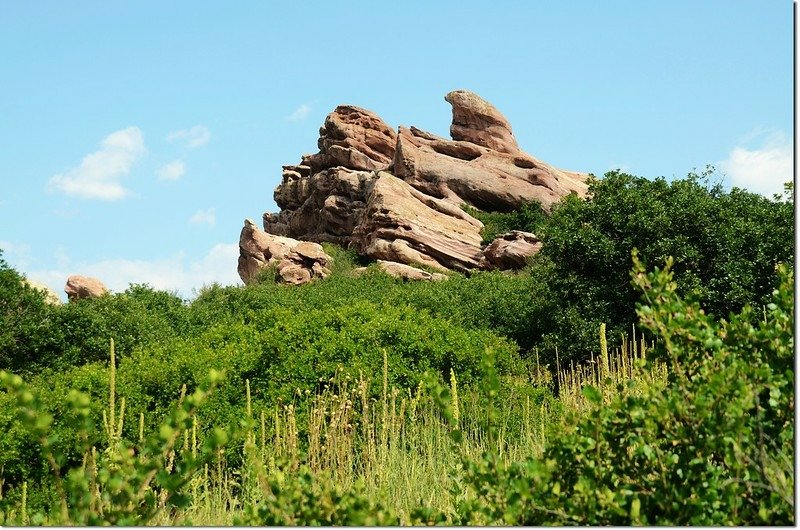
[763, 169]
[174, 273]
[204, 217]
[99, 174]
[16, 254]
[197, 136]
[300, 113]
[172, 171]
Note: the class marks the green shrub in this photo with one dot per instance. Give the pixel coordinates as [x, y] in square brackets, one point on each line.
[725, 246]
[529, 218]
[713, 448]
[26, 321]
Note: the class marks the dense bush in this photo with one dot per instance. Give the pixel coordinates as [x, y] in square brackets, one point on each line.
[282, 351]
[529, 218]
[713, 448]
[25, 321]
[725, 245]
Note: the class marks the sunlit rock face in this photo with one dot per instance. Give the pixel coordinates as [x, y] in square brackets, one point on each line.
[397, 195]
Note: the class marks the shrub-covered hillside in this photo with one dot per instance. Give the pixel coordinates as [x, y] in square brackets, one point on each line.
[569, 392]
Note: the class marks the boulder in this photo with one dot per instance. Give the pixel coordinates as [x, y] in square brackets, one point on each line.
[84, 287]
[407, 272]
[405, 225]
[49, 295]
[295, 262]
[512, 250]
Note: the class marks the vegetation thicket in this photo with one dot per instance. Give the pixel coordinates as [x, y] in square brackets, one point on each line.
[572, 392]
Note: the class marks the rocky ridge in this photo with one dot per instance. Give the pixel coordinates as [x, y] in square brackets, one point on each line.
[397, 196]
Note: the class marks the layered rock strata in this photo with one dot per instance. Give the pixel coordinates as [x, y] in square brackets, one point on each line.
[398, 196]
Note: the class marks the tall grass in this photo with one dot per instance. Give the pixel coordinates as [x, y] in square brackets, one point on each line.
[396, 448]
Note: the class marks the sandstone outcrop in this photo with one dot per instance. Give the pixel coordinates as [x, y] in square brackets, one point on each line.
[477, 121]
[325, 206]
[398, 196]
[404, 225]
[511, 250]
[84, 287]
[296, 262]
[407, 272]
[482, 166]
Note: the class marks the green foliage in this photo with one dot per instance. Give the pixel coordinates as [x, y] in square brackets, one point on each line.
[713, 448]
[725, 245]
[302, 497]
[529, 218]
[126, 484]
[25, 320]
[283, 352]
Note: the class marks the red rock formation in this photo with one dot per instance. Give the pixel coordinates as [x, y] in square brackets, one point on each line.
[296, 262]
[511, 251]
[404, 225]
[477, 121]
[398, 196]
[84, 287]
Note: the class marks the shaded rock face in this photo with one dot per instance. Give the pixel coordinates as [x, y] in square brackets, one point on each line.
[397, 196]
[511, 250]
[296, 262]
[84, 287]
[325, 206]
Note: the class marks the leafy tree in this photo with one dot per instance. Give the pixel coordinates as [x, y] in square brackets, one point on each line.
[25, 320]
[725, 246]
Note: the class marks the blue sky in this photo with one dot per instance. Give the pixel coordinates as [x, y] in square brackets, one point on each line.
[137, 136]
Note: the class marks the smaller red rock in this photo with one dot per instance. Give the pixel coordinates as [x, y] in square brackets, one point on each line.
[84, 287]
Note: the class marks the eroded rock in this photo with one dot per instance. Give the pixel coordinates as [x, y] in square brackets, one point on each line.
[407, 272]
[354, 138]
[477, 121]
[405, 225]
[512, 250]
[482, 166]
[398, 196]
[295, 262]
[325, 206]
[84, 287]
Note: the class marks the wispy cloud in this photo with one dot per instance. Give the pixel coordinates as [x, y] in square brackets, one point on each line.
[174, 273]
[300, 113]
[172, 171]
[197, 136]
[16, 253]
[99, 174]
[762, 169]
[204, 217]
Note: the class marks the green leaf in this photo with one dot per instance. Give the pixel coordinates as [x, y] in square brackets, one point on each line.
[592, 394]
